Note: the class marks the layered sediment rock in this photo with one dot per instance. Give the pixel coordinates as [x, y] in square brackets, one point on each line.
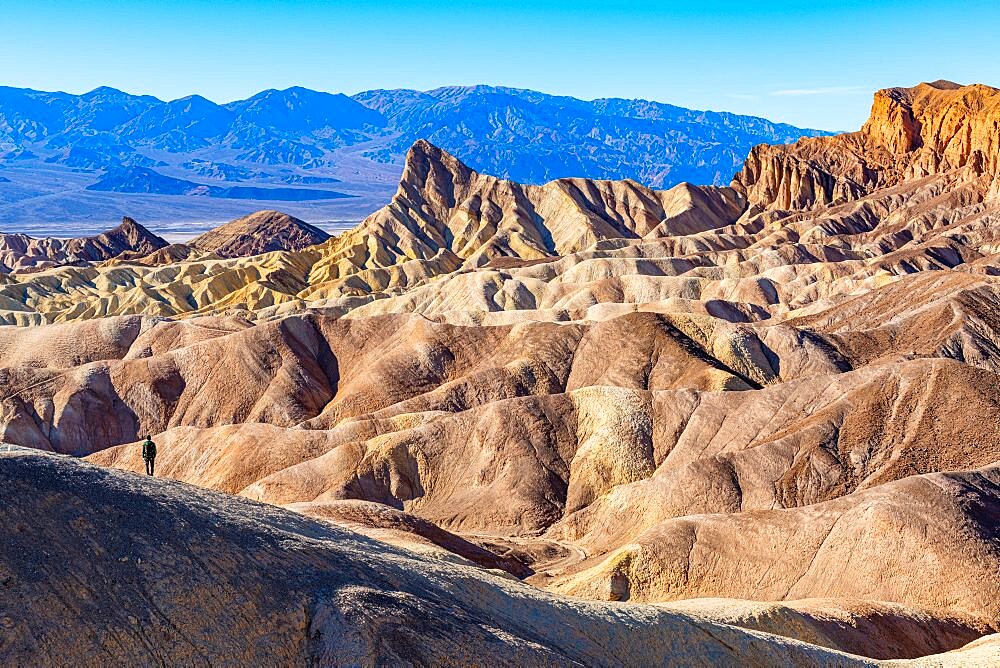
[924, 131]
[21, 253]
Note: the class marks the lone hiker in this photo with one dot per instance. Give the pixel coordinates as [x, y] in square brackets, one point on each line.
[149, 454]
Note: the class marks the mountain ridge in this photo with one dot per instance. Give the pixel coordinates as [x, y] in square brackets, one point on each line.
[55, 146]
[285, 117]
[446, 216]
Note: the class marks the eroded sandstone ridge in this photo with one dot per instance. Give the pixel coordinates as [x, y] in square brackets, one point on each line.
[21, 253]
[775, 405]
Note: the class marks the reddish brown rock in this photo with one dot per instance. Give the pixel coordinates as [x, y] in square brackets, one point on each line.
[261, 232]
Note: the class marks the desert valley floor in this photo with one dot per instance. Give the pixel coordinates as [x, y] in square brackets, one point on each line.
[582, 423]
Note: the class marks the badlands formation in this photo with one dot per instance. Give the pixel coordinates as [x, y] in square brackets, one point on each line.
[261, 232]
[21, 253]
[758, 422]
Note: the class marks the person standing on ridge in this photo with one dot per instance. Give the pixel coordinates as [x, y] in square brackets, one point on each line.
[149, 454]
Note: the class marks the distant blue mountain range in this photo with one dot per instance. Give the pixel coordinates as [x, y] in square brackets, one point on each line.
[107, 139]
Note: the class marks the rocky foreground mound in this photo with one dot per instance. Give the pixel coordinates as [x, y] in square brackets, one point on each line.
[162, 572]
[150, 572]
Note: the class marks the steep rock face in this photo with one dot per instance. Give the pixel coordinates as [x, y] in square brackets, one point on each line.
[927, 130]
[261, 232]
[19, 252]
[937, 127]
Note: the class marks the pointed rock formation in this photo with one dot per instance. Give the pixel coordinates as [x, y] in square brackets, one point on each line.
[20, 253]
[261, 232]
[445, 215]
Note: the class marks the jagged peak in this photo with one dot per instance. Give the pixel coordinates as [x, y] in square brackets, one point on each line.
[259, 232]
[424, 159]
[424, 148]
[135, 234]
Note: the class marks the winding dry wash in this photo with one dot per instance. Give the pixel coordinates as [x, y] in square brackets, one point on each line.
[582, 423]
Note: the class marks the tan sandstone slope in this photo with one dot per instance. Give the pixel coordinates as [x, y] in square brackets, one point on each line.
[861, 546]
[108, 568]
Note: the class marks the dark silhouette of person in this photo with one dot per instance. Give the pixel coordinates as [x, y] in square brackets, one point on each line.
[149, 454]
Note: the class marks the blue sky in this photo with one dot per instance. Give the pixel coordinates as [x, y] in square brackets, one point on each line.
[811, 64]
